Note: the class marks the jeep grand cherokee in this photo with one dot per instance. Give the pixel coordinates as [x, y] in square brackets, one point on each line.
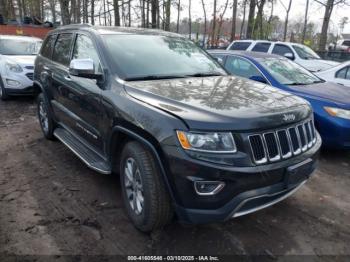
[186, 138]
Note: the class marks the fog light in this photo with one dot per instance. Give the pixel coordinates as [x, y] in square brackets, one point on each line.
[11, 82]
[208, 188]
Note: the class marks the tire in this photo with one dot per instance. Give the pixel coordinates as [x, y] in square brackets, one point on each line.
[148, 185]
[45, 117]
[3, 94]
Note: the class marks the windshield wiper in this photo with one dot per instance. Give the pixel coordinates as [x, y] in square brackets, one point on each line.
[204, 74]
[152, 77]
[295, 84]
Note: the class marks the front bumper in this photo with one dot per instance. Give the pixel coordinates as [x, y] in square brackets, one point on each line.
[247, 189]
[19, 83]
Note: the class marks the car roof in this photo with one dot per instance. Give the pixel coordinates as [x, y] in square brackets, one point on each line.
[103, 30]
[247, 54]
[28, 38]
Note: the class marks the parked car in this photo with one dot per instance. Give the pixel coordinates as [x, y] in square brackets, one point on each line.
[330, 102]
[183, 135]
[339, 74]
[17, 55]
[342, 45]
[298, 53]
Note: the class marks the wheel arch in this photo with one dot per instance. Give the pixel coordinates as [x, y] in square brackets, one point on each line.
[121, 135]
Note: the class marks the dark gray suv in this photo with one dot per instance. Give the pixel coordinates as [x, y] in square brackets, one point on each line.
[186, 138]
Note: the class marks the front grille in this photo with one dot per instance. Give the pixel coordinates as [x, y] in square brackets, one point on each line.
[30, 75]
[281, 144]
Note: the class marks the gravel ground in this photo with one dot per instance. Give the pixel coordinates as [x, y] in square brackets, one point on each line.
[52, 204]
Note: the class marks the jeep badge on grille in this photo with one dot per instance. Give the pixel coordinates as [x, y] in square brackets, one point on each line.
[288, 117]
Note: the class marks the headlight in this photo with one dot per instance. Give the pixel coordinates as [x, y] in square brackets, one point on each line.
[218, 142]
[338, 112]
[13, 67]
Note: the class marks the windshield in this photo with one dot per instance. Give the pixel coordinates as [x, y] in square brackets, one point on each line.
[155, 57]
[288, 73]
[305, 52]
[19, 47]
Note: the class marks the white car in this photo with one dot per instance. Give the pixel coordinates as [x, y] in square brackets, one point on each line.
[300, 54]
[17, 55]
[339, 74]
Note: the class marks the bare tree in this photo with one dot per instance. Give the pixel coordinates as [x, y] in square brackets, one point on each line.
[205, 22]
[287, 8]
[251, 15]
[92, 12]
[259, 18]
[178, 15]
[234, 18]
[167, 15]
[305, 21]
[116, 13]
[243, 19]
[155, 13]
[189, 18]
[221, 19]
[328, 5]
[214, 24]
[65, 16]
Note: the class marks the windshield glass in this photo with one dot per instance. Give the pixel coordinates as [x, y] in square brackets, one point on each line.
[155, 56]
[287, 72]
[305, 52]
[19, 47]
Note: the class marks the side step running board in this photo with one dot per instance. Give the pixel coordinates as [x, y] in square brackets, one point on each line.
[88, 156]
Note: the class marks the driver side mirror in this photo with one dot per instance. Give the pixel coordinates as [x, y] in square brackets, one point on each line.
[219, 59]
[289, 56]
[258, 79]
[83, 68]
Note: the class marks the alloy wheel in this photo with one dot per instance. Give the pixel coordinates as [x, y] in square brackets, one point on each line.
[133, 186]
[44, 120]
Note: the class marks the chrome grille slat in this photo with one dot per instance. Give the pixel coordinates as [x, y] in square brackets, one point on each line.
[283, 143]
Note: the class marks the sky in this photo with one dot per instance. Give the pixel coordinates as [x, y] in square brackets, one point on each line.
[316, 12]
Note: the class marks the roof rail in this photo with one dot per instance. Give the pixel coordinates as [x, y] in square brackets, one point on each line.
[74, 26]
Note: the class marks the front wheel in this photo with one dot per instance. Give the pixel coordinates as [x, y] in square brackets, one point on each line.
[145, 197]
[45, 118]
[3, 94]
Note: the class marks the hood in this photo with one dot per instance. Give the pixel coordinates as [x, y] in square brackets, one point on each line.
[23, 60]
[315, 65]
[326, 91]
[221, 103]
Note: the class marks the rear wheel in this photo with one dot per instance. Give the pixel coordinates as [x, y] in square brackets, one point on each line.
[145, 197]
[45, 118]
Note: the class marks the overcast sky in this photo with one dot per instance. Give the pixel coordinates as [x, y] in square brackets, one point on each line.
[316, 11]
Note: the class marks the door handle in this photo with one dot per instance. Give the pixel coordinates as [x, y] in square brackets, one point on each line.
[68, 78]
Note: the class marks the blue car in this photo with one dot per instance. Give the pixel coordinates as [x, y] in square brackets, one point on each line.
[330, 102]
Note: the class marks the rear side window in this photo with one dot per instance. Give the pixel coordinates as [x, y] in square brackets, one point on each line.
[261, 47]
[343, 73]
[281, 50]
[240, 45]
[346, 43]
[61, 52]
[241, 67]
[46, 51]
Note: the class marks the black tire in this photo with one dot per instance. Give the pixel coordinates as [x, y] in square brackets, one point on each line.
[48, 127]
[157, 209]
[3, 94]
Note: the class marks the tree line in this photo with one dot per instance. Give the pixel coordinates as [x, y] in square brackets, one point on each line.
[249, 19]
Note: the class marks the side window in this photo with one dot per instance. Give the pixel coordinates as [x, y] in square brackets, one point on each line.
[241, 67]
[281, 50]
[343, 73]
[240, 45]
[219, 57]
[261, 47]
[84, 48]
[61, 52]
[46, 50]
